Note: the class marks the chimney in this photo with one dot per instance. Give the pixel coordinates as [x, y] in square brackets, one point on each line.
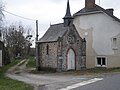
[110, 11]
[89, 4]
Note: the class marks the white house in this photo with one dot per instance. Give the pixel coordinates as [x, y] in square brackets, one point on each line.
[102, 32]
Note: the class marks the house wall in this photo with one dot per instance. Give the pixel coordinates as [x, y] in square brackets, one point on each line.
[77, 46]
[48, 60]
[53, 55]
[99, 29]
[113, 61]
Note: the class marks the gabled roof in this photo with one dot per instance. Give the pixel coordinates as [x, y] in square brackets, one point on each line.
[96, 9]
[58, 30]
[54, 32]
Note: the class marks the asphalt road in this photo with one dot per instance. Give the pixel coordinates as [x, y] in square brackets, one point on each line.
[110, 82]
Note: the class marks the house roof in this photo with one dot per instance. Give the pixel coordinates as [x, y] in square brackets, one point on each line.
[54, 32]
[96, 9]
[58, 30]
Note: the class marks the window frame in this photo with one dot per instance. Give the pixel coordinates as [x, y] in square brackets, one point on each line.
[114, 46]
[96, 61]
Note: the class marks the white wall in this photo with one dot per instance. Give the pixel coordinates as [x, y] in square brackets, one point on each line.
[103, 28]
[0, 58]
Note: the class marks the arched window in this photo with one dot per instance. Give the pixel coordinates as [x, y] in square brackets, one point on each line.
[47, 49]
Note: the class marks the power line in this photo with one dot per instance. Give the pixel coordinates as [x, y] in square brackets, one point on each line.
[18, 16]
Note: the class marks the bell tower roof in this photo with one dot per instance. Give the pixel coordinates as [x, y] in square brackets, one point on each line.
[68, 19]
[68, 13]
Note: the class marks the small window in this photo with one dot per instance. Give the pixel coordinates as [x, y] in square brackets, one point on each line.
[101, 61]
[47, 49]
[114, 43]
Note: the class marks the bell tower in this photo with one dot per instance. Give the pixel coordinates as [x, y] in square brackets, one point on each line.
[68, 19]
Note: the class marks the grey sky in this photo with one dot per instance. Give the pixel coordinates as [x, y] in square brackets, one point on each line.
[49, 11]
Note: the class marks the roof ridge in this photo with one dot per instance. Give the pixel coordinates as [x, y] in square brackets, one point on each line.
[96, 8]
[56, 24]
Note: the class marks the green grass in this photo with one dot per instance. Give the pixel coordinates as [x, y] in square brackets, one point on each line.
[94, 71]
[9, 84]
[5, 68]
[31, 63]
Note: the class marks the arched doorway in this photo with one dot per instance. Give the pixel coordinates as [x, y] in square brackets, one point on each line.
[71, 60]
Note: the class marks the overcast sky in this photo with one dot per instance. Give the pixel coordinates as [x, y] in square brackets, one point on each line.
[48, 11]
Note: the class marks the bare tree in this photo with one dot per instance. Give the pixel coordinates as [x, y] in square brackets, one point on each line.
[1, 17]
[15, 40]
[1, 9]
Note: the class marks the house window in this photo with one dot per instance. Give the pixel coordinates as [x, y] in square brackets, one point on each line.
[114, 43]
[47, 49]
[101, 61]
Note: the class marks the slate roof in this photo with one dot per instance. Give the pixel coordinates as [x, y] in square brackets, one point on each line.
[96, 9]
[55, 31]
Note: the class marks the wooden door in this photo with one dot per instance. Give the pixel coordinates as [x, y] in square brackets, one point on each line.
[71, 60]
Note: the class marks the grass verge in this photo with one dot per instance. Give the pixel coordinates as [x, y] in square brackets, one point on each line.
[31, 63]
[94, 71]
[9, 84]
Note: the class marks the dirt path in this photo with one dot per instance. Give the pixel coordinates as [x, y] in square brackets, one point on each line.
[20, 67]
[51, 81]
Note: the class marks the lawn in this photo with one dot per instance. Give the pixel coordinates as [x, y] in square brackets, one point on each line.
[9, 84]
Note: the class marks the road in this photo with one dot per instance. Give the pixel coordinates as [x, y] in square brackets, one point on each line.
[59, 81]
[110, 82]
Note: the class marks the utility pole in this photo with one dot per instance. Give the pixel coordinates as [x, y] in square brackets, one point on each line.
[36, 46]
